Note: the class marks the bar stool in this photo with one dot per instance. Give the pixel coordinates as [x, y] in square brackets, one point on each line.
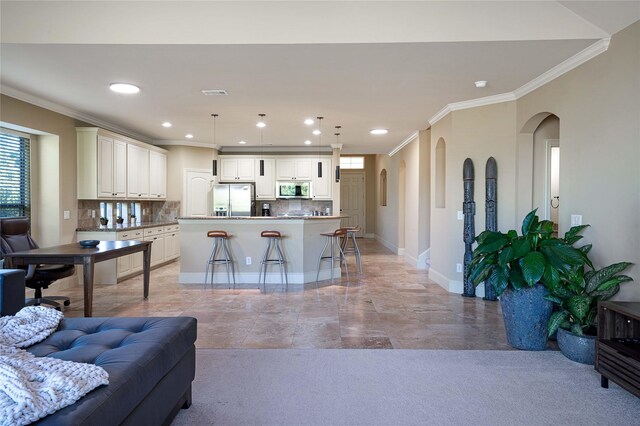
[333, 239]
[353, 247]
[273, 244]
[220, 245]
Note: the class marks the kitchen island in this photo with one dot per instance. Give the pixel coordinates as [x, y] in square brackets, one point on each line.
[301, 243]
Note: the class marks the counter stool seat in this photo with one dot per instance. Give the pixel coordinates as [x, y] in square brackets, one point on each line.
[333, 239]
[350, 245]
[220, 254]
[273, 245]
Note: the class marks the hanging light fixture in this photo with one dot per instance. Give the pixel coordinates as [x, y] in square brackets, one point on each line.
[261, 125]
[319, 145]
[214, 167]
[338, 144]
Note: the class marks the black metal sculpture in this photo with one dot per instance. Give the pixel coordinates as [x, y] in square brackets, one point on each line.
[491, 213]
[469, 210]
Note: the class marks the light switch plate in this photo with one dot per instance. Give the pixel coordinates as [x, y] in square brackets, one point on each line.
[460, 215]
[458, 267]
[66, 214]
[576, 219]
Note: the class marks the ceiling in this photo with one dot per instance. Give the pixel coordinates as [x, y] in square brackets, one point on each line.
[361, 65]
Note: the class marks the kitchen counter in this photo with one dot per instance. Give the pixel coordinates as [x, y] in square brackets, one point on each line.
[302, 243]
[114, 227]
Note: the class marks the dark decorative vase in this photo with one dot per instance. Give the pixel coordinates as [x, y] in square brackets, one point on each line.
[119, 221]
[580, 349]
[104, 222]
[525, 314]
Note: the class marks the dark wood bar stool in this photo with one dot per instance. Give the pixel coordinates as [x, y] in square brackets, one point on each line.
[220, 254]
[273, 245]
[350, 245]
[335, 252]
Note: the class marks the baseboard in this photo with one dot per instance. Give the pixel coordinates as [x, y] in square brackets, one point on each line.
[424, 259]
[370, 235]
[386, 243]
[401, 251]
[452, 286]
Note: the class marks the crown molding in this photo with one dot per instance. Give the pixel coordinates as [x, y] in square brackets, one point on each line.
[403, 143]
[52, 106]
[569, 64]
[564, 67]
[169, 142]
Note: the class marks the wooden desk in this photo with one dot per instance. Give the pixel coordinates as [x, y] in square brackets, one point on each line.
[77, 255]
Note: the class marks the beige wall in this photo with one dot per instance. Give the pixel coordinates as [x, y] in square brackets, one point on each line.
[185, 157]
[598, 105]
[35, 118]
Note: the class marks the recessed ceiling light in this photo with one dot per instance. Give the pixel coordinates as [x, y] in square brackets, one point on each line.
[481, 83]
[214, 92]
[308, 121]
[124, 88]
[379, 131]
[166, 124]
[242, 143]
[316, 132]
[307, 142]
[188, 136]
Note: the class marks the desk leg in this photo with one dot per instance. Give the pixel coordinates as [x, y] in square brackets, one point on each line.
[146, 268]
[87, 266]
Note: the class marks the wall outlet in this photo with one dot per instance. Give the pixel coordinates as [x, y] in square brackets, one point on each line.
[458, 267]
[248, 260]
[576, 219]
[66, 215]
[460, 215]
[93, 214]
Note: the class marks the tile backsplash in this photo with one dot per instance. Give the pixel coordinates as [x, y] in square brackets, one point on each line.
[151, 211]
[295, 206]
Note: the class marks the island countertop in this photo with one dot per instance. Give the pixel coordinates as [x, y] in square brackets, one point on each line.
[302, 242]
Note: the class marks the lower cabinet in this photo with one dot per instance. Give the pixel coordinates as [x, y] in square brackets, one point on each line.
[165, 248]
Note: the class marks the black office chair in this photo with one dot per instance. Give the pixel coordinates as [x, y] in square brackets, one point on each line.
[14, 237]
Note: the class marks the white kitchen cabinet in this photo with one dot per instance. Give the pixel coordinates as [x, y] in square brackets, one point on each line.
[137, 172]
[266, 185]
[125, 264]
[293, 169]
[171, 242]
[321, 187]
[237, 169]
[101, 164]
[157, 175]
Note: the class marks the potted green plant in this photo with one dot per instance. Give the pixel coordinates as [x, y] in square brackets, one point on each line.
[104, 221]
[119, 220]
[521, 268]
[577, 298]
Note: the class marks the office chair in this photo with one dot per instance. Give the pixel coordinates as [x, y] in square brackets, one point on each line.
[14, 237]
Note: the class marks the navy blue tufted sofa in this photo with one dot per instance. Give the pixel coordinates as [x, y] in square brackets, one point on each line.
[150, 361]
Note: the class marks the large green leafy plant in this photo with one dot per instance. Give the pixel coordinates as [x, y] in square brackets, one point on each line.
[578, 295]
[519, 261]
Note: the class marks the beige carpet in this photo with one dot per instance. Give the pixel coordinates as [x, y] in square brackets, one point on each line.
[401, 387]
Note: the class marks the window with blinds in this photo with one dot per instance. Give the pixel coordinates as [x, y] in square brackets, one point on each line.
[14, 175]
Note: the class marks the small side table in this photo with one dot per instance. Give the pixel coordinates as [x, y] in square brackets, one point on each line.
[618, 345]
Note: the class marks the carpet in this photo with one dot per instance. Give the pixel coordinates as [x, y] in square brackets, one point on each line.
[400, 387]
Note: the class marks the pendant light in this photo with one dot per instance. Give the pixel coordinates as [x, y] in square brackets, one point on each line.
[214, 167]
[319, 146]
[338, 144]
[261, 125]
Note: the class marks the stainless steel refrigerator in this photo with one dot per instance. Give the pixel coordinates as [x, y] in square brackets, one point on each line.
[234, 199]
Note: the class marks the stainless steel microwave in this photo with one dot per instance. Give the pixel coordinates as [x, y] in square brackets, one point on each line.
[293, 189]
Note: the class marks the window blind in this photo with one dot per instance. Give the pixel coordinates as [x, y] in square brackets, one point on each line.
[15, 157]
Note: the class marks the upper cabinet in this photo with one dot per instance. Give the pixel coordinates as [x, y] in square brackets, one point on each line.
[293, 169]
[321, 187]
[157, 175]
[266, 185]
[237, 169]
[114, 166]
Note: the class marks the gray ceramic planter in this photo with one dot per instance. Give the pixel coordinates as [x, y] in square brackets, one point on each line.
[580, 349]
[525, 314]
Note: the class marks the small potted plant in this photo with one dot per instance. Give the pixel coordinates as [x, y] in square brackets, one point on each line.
[577, 299]
[133, 218]
[119, 220]
[521, 268]
[104, 221]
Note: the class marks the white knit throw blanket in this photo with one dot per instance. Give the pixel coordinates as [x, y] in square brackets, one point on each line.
[33, 387]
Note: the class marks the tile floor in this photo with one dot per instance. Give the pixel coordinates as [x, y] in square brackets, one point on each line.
[391, 305]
